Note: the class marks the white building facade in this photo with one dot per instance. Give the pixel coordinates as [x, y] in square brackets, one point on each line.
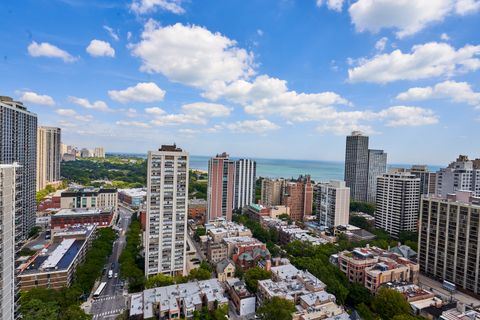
[245, 175]
[49, 156]
[332, 201]
[167, 207]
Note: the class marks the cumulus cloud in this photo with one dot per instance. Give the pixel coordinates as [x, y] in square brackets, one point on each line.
[137, 124]
[380, 44]
[73, 114]
[192, 113]
[141, 92]
[46, 49]
[335, 5]
[148, 6]
[191, 55]
[459, 92]
[444, 37]
[432, 59]
[252, 126]
[96, 105]
[98, 48]
[407, 116]
[408, 17]
[35, 98]
[111, 32]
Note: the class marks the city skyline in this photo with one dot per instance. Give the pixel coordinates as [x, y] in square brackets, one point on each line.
[260, 74]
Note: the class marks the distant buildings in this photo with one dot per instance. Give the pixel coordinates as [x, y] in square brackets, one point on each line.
[167, 206]
[462, 174]
[177, 301]
[99, 152]
[71, 153]
[398, 202]
[332, 201]
[89, 198]
[133, 197]
[428, 180]
[272, 192]
[8, 211]
[298, 196]
[221, 187]
[449, 239]
[55, 267]
[362, 167]
[257, 211]
[197, 210]
[245, 176]
[18, 143]
[373, 267]
[48, 156]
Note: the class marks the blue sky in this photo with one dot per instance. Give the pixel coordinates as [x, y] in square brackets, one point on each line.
[275, 79]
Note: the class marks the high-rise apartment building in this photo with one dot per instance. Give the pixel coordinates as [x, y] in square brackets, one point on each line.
[362, 167]
[332, 200]
[245, 175]
[48, 156]
[398, 201]
[461, 175]
[356, 165]
[427, 178]
[18, 143]
[167, 206]
[449, 239]
[298, 197]
[99, 152]
[221, 187]
[272, 192]
[8, 210]
[377, 165]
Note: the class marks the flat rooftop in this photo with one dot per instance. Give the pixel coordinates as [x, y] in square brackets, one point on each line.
[81, 212]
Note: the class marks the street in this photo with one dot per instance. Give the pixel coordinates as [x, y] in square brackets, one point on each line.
[112, 301]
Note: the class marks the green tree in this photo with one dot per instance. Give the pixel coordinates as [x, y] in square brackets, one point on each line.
[389, 303]
[360, 222]
[365, 312]
[366, 207]
[36, 309]
[199, 274]
[159, 280]
[254, 274]
[276, 309]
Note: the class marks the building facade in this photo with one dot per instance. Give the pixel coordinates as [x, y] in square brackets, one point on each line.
[332, 201]
[398, 202]
[245, 177]
[89, 198]
[272, 191]
[66, 218]
[461, 175]
[427, 178]
[167, 207]
[221, 187]
[298, 196]
[8, 210]
[449, 239]
[377, 165]
[18, 143]
[48, 156]
[356, 165]
[99, 152]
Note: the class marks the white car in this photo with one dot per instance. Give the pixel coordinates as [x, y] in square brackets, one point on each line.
[115, 275]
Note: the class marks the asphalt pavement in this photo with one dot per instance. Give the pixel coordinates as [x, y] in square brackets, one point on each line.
[112, 301]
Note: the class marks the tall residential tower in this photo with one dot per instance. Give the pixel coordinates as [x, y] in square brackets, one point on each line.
[377, 165]
[245, 175]
[356, 165]
[332, 200]
[221, 187]
[18, 143]
[48, 156]
[167, 206]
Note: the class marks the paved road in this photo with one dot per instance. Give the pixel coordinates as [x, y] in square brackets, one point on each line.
[112, 301]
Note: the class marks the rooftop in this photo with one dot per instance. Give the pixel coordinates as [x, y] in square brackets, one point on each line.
[81, 212]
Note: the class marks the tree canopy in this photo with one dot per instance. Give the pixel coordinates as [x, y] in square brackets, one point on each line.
[276, 309]
[254, 274]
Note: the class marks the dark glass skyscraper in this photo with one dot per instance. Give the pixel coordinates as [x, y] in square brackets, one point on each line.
[356, 165]
[18, 143]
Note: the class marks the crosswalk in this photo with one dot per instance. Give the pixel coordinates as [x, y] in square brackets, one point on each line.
[105, 298]
[107, 313]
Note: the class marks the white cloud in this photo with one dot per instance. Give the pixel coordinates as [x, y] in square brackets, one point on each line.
[131, 112]
[73, 114]
[129, 35]
[432, 59]
[460, 92]
[406, 16]
[97, 105]
[193, 113]
[35, 98]
[343, 129]
[335, 5]
[406, 116]
[444, 37]
[141, 92]
[155, 111]
[98, 48]
[147, 6]
[252, 126]
[188, 132]
[46, 49]
[380, 44]
[260, 32]
[191, 55]
[111, 32]
[137, 124]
